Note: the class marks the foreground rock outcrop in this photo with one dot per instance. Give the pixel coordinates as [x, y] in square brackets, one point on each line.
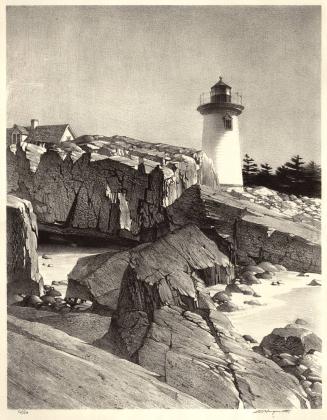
[167, 322]
[249, 233]
[22, 264]
[173, 263]
[105, 187]
[48, 369]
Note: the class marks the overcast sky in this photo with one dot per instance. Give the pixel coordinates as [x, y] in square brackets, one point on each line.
[139, 71]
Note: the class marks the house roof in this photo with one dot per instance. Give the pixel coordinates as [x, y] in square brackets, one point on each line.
[48, 133]
[23, 130]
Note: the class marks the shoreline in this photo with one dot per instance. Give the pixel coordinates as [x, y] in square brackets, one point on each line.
[274, 299]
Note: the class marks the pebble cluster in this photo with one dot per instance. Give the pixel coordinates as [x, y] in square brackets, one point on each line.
[298, 208]
[52, 301]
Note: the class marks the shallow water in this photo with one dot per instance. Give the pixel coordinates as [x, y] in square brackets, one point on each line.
[299, 302]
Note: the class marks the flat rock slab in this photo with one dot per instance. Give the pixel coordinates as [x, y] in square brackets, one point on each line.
[48, 369]
[88, 327]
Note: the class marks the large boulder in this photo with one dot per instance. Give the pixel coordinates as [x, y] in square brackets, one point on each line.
[22, 261]
[249, 232]
[178, 257]
[295, 340]
[166, 322]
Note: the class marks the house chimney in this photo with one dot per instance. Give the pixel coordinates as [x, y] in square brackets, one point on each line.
[34, 124]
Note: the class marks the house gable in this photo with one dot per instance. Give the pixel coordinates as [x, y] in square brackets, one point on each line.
[68, 135]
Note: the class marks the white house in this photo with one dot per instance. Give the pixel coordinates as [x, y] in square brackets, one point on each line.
[39, 134]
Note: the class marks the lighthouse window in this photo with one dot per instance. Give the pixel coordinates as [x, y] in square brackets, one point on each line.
[228, 122]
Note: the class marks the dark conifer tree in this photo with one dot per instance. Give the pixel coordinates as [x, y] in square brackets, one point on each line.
[312, 176]
[264, 176]
[249, 170]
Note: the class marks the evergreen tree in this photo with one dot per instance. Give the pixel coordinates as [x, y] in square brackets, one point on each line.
[265, 169]
[250, 170]
[312, 176]
[265, 176]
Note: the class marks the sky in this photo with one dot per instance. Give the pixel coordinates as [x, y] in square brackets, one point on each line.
[139, 72]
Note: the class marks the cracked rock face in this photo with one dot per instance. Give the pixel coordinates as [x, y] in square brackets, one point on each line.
[111, 187]
[166, 322]
[22, 264]
[251, 232]
[172, 263]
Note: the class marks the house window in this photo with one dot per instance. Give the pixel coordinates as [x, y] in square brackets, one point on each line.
[228, 122]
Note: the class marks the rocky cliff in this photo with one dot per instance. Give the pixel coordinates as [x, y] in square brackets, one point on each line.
[22, 264]
[108, 187]
[248, 232]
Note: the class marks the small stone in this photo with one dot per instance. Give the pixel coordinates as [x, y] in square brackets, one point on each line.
[50, 265]
[266, 275]
[306, 384]
[314, 282]
[53, 292]
[63, 282]
[55, 283]
[14, 299]
[46, 257]
[300, 370]
[313, 378]
[300, 321]
[33, 300]
[317, 387]
[48, 299]
[228, 307]
[280, 267]
[267, 266]
[221, 297]
[253, 269]
[249, 338]
[256, 295]
[253, 302]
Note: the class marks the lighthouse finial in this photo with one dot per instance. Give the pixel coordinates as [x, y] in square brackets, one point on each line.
[220, 79]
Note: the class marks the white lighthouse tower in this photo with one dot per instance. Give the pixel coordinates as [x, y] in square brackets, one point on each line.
[220, 138]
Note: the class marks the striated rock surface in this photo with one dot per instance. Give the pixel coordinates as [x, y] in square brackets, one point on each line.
[178, 259]
[22, 262]
[108, 187]
[251, 233]
[48, 369]
[166, 322]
